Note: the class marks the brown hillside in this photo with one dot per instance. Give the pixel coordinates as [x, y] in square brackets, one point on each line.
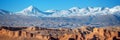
[37, 33]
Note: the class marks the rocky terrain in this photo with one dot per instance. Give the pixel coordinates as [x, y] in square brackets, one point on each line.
[38, 33]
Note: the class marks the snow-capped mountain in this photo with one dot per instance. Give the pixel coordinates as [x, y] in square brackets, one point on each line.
[73, 17]
[31, 11]
[74, 11]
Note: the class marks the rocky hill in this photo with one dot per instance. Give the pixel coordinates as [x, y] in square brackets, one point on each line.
[38, 33]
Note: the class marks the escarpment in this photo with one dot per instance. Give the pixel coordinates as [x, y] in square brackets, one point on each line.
[37, 33]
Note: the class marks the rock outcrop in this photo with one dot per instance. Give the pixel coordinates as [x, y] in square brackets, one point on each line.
[37, 33]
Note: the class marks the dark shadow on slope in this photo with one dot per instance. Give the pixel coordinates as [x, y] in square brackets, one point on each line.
[12, 28]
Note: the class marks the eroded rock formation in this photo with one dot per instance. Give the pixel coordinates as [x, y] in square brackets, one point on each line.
[37, 33]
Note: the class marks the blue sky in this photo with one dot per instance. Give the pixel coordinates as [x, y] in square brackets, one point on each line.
[18, 5]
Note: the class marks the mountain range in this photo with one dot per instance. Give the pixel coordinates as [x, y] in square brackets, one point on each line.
[73, 17]
[74, 11]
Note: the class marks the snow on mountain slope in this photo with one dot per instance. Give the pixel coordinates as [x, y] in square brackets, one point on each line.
[73, 17]
[74, 11]
[115, 9]
[31, 11]
[51, 11]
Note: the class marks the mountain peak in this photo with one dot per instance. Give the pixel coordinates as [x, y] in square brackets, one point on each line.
[73, 8]
[31, 7]
[31, 11]
[74, 11]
